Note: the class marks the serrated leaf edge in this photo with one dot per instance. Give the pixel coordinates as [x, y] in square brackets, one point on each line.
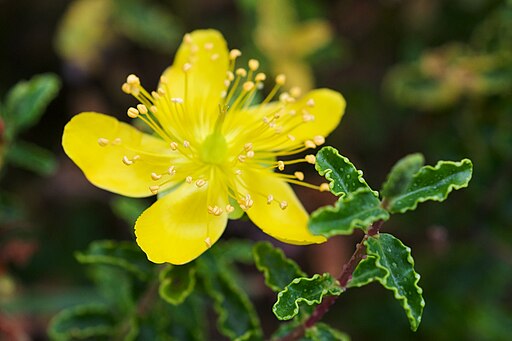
[296, 309]
[266, 271]
[167, 281]
[335, 208]
[448, 190]
[327, 173]
[414, 323]
[84, 332]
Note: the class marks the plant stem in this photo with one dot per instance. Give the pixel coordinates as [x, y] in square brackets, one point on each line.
[343, 279]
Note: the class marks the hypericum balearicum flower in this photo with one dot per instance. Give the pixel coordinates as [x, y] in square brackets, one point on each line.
[211, 150]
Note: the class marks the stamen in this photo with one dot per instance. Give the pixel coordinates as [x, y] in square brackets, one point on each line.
[208, 242]
[214, 56]
[310, 159]
[253, 64]
[324, 187]
[208, 46]
[299, 175]
[215, 210]
[270, 198]
[309, 144]
[260, 77]
[310, 103]
[127, 161]
[280, 79]
[132, 80]
[186, 144]
[132, 113]
[177, 100]
[234, 54]
[171, 170]
[188, 179]
[117, 141]
[187, 67]
[174, 145]
[280, 165]
[154, 189]
[238, 172]
[296, 91]
[229, 208]
[142, 109]
[155, 176]
[103, 141]
[200, 183]
[241, 72]
[187, 38]
[250, 154]
[319, 140]
[248, 146]
[283, 204]
[231, 76]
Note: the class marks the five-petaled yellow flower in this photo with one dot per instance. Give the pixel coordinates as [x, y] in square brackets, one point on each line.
[211, 150]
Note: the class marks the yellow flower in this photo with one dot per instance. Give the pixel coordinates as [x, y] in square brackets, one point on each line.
[211, 151]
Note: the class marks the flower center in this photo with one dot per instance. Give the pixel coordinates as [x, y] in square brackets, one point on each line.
[214, 149]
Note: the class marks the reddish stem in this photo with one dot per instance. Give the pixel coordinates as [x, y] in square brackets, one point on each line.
[343, 279]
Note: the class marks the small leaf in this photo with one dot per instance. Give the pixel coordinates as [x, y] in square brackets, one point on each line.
[390, 262]
[304, 290]
[343, 176]
[128, 209]
[401, 175]
[235, 250]
[177, 282]
[323, 332]
[355, 210]
[31, 157]
[83, 322]
[27, 101]
[278, 270]
[432, 183]
[237, 317]
[125, 255]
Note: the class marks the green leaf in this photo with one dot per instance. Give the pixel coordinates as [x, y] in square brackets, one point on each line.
[234, 250]
[401, 175]
[177, 282]
[355, 210]
[390, 262]
[125, 255]
[237, 317]
[31, 157]
[278, 270]
[147, 23]
[83, 322]
[304, 290]
[432, 183]
[323, 332]
[128, 209]
[344, 178]
[27, 101]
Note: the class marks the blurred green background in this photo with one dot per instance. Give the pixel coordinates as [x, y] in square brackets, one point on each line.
[427, 76]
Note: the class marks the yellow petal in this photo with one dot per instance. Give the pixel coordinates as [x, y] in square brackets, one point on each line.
[328, 107]
[205, 53]
[288, 225]
[178, 228]
[98, 143]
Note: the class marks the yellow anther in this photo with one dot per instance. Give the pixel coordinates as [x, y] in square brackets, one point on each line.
[248, 146]
[187, 67]
[253, 64]
[229, 208]
[215, 210]
[142, 109]
[132, 113]
[154, 109]
[310, 159]
[155, 95]
[324, 187]
[208, 46]
[241, 158]
[291, 137]
[246, 202]
[227, 82]
[214, 56]
[136, 157]
[309, 144]
[187, 38]
[132, 80]
[284, 97]
[188, 179]
[186, 144]
[161, 91]
[223, 94]
[280, 165]
[238, 172]
[270, 198]
[230, 75]
[103, 141]
[299, 175]
[164, 80]
[234, 54]
[292, 112]
[260, 77]
[171, 170]
[250, 154]
[280, 79]
[248, 86]
[208, 242]
[178, 100]
[155, 176]
[127, 161]
[117, 141]
[307, 117]
[174, 145]
[296, 91]
[241, 72]
[127, 89]
[154, 189]
[319, 140]
[310, 103]
[194, 48]
[200, 183]
[283, 204]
